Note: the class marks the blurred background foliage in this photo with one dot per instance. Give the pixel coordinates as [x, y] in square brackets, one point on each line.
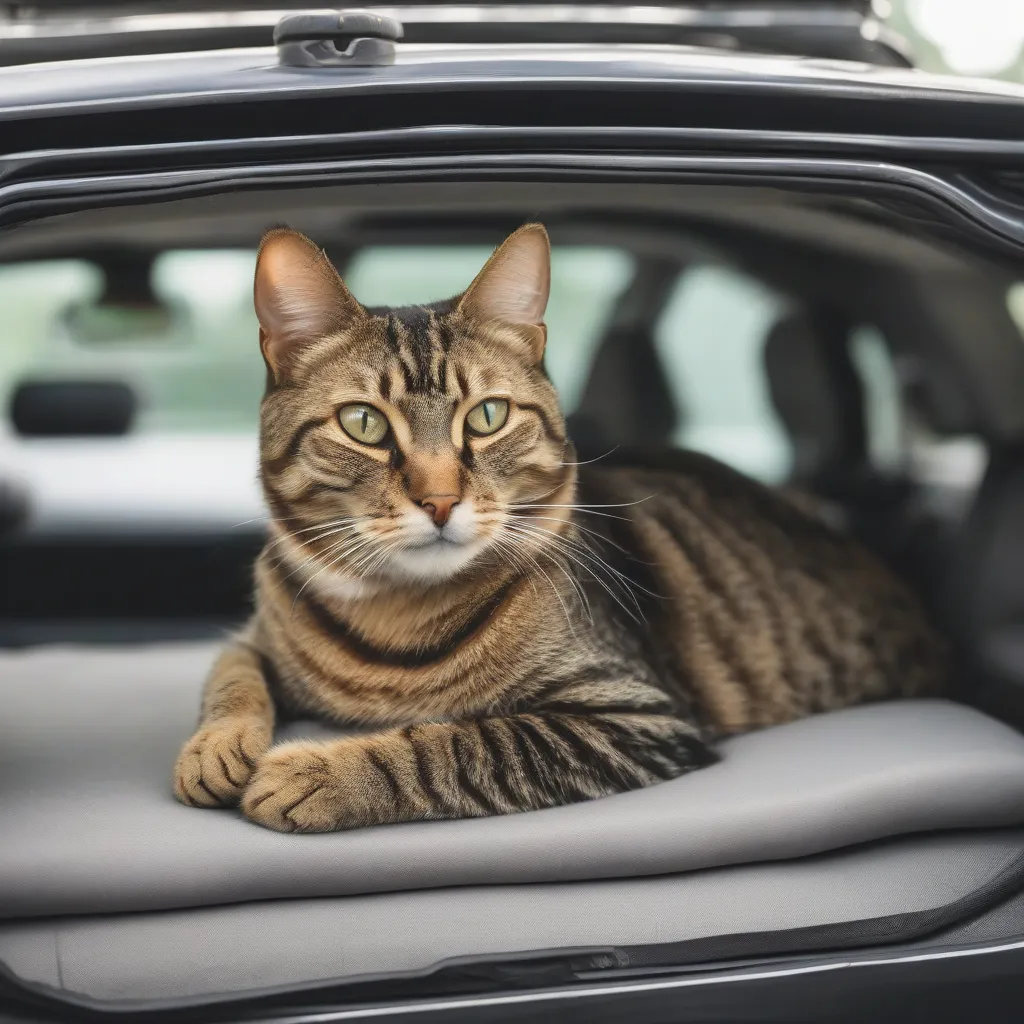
[981, 38]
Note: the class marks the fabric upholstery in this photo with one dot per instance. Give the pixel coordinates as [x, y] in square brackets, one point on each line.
[89, 826]
[183, 954]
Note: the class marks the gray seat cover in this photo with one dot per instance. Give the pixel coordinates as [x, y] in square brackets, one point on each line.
[190, 954]
[88, 738]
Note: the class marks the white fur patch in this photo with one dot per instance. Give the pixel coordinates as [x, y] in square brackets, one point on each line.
[421, 553]
[430, 554]
[326, 581]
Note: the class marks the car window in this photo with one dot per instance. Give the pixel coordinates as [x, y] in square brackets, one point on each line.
[194, 362]
[948, 468]
[883, 406]
[710, 339]
[31, 295]
[1015, 304]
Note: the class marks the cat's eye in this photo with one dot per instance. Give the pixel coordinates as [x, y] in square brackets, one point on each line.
[363, 423]
[488, 416]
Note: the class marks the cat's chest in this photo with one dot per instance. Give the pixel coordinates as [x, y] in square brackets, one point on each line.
[344, 676]
[352, 695]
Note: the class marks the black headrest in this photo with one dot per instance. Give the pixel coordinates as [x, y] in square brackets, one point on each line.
[983, 599]
[817, 395]
[72, 408]
[627, 400]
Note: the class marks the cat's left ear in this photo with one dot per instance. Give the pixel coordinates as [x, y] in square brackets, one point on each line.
[514, 285]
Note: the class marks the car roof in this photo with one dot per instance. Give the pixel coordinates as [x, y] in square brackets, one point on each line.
[841, 29]
[186, 78]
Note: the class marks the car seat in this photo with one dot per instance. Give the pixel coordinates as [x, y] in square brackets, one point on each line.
[882, 822]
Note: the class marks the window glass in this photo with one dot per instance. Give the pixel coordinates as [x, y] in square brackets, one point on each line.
[31, 296]
[194, 365]
[883, 412]
[901, 441]
[215, 377]
[1015, 304]
[193, 360]
[711, 339]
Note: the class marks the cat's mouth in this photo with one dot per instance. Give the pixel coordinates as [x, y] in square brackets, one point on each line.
[438, 541]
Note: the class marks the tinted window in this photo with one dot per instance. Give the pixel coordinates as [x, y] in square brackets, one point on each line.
[195, 364]
[710, 339]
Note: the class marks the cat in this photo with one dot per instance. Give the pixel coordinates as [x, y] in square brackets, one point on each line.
[509, 632]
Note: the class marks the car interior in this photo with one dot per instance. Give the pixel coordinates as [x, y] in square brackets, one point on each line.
[866, 353]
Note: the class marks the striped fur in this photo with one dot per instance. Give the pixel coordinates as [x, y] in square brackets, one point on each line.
[559, 638]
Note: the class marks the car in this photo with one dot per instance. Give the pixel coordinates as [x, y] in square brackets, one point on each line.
[774, 241]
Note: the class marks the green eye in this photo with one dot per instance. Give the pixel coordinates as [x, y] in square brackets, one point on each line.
[363, 423]
[488, 416]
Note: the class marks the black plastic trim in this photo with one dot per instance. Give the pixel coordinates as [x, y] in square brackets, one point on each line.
[684, 141]
[999, 221]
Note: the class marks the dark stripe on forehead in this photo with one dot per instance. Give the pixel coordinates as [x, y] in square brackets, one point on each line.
[423, 349]
[441, 377]
[418, 342]
[391, 333]
[424, 339]
[445, 333]
[398, 342]
[407, 366]
[415, 319]
[435, 356]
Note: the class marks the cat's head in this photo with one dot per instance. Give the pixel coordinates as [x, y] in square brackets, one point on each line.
[409, 445]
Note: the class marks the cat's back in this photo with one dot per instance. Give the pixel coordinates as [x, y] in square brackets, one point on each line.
[767, 612]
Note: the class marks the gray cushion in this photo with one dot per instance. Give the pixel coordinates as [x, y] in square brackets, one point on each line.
[88, 738]
[188, 954]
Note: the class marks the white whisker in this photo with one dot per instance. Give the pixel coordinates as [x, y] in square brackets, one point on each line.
[589, 462]
[247, 522]
[578, 526]
[349, 547]
[533, 561]
[593, 564]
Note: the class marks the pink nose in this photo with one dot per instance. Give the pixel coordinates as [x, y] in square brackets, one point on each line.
[439, 506]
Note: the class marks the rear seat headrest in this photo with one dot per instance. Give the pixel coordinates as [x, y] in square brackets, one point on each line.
[983, 593]
[817, 395]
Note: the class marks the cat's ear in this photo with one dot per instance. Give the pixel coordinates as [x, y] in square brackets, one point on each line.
[299, 297]
[514, 285]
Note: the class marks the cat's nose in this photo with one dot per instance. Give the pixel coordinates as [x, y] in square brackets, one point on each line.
[439, 506]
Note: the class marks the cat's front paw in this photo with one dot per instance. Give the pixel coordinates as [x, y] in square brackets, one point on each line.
[302, 787]
[216, 764]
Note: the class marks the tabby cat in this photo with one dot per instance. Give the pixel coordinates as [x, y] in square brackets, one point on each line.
[506, 632]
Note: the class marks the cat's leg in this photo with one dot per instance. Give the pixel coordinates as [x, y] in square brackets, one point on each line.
[235, 730]
[473, 768]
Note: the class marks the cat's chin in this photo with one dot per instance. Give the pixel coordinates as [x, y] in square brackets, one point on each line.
[433, 562]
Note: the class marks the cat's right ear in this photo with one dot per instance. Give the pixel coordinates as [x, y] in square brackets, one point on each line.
[299, 297]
